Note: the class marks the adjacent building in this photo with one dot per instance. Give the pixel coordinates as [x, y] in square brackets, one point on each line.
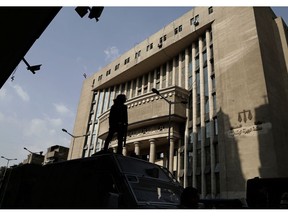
[34, 158]
[230, 65]
[56, 153]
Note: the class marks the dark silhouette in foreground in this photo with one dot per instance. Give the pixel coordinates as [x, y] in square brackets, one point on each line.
[190, 198]
[118, 122]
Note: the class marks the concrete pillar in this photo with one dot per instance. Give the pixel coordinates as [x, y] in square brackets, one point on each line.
[149, 82]
[115, 150]
[124, 151]
[173, 72]
[165, 160]
[137, 148]
[152, 154]
[194, 115]
[211, 110]
[178, 160]
[171, 154]
[161, 77]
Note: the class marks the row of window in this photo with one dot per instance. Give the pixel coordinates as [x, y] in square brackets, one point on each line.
[193, 21]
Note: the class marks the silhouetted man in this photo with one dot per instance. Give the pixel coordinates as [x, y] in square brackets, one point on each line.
[118, 121]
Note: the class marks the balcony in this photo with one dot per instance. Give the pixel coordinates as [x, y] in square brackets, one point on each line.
[149, 109]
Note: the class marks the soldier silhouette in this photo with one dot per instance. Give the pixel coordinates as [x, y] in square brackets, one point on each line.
[118, 122]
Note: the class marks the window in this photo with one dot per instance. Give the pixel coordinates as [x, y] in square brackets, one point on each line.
[117, 66]
[127, 61]
[133, 87]
[158, 78]
[162, 39]
[146, 82]
[108, 72]
[139, 85]
[137, 54]
[149, 47]
[100, 77]
[178, 29]
[194, 20]
[210, 10]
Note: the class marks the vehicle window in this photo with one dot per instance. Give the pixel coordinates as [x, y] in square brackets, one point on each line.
[142, 168]
[147, 190]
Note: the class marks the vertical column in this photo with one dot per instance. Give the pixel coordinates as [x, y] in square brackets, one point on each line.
[125, 90]
[136, 88]
[161, 76]
[186, 68]
[165, 160]
[167, 75]
[194, 117]
[186, 140]
[179, 160]
[155, 78]
[152, 151]
[124, 151]
[149, 82]
[136, 148]
[131, 89]
[202, 118]
[173, 72]
[171, 154]
[179, 69]
[142, 86]
[211, 111]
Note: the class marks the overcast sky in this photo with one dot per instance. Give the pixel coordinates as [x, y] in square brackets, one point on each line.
[34, 108]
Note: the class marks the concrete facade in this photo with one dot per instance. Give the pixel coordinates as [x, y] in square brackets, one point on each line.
[230, 65]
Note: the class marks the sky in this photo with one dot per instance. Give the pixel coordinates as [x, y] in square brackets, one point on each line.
[35, 107]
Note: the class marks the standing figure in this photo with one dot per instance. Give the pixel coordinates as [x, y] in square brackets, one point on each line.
[118, 122]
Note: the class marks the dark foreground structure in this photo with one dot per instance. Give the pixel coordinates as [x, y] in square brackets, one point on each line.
[99, 182]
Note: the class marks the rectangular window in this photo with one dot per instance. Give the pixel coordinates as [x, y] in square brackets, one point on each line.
[215, 126]
[190, 106]
[123, 88]
[162, 39]
[117, 66]
[146, 82]
[139, 85]
[197, 63]
[192, 21]
[100, 104]
[170, 68]
[133, 87]
[126, 61]
[163, 76]
[106, 99]
[205, 73]
[158, 78]
[176, 31]
[137, 54]
[210, 10]
[151, 81]
[214, 103]
[100, 77]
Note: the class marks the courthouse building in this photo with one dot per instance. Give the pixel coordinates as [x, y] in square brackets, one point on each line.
[230, 65]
